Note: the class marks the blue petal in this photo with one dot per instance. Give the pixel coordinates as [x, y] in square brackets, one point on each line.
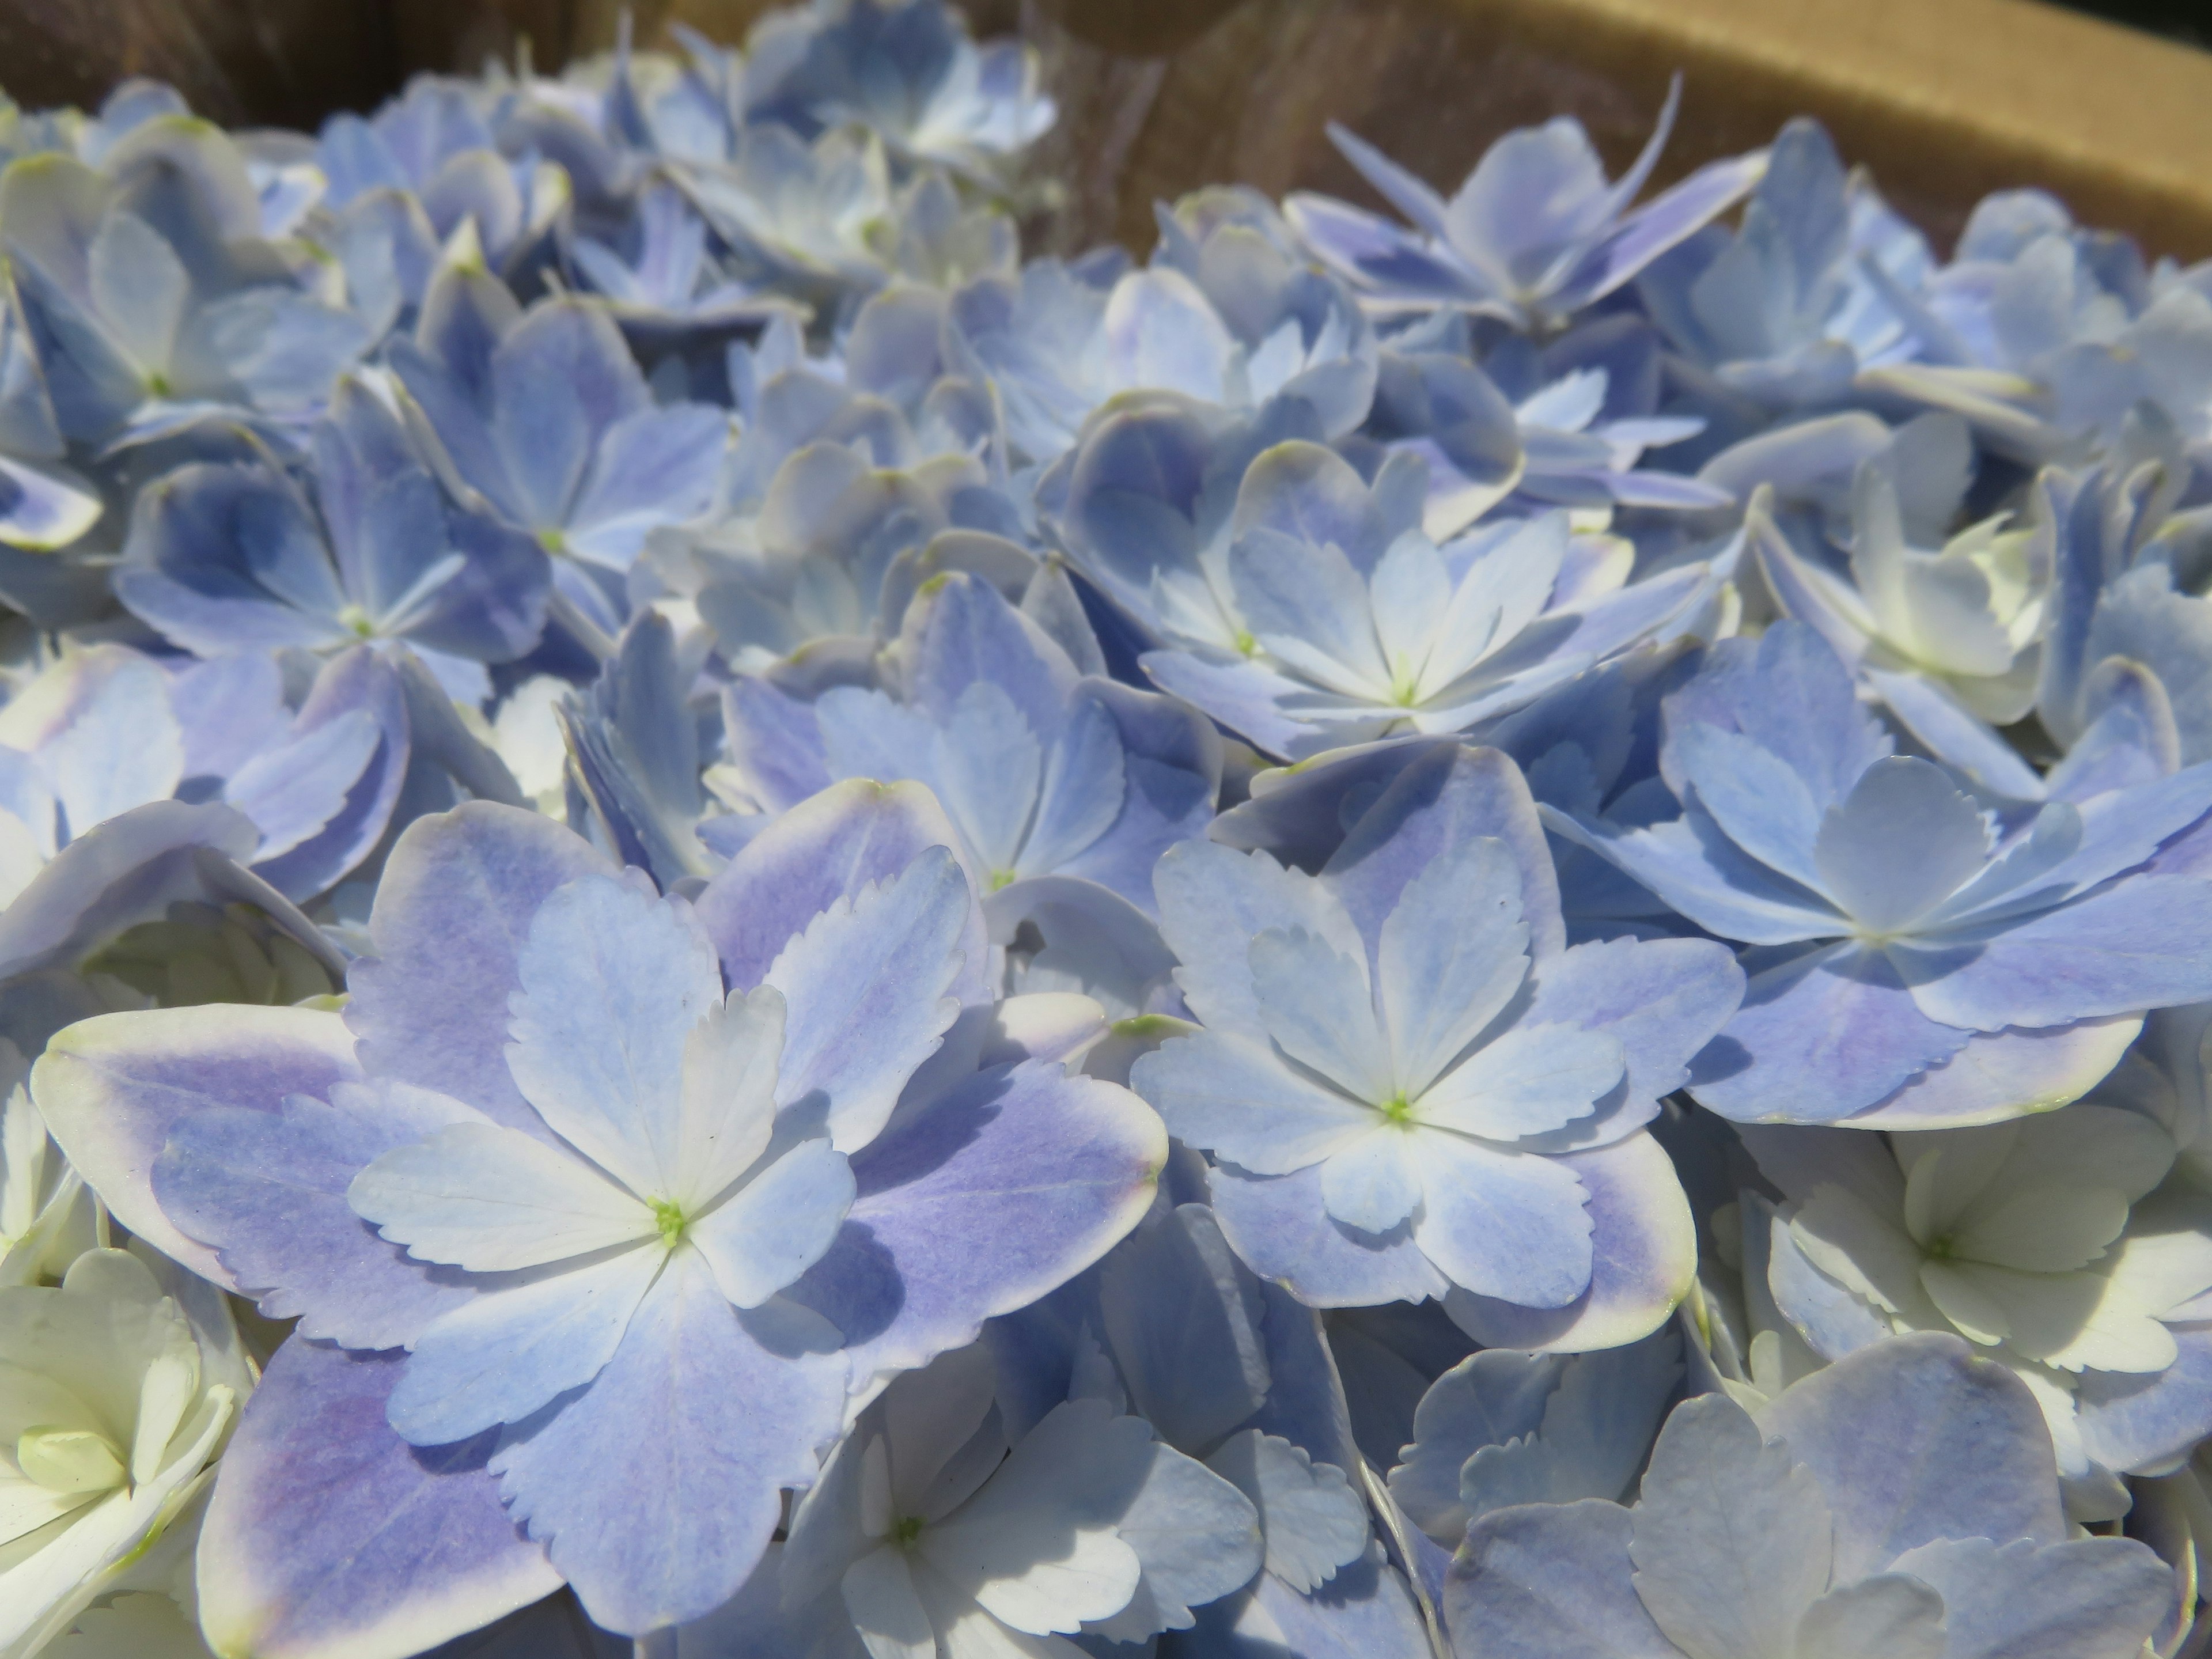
[1916, 1439]
[328, 1533]
[112, 1090]
[1553, 1581]
[430, 1004]
[998, 1191]
[1820, 1036]
[267, 1191]
[656, 1489]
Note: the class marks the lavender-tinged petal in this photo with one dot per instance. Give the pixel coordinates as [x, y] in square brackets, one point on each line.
[358, 809]
[612, 981]
[525, 1340]
[267, 1191]
[1661, 999]
[2092, 1598]
[1552, 1581]
[1280, 1227]
[828, 848]
[113, 1089]
[128, 869]
[977, 1203]
[2134, 946]
[1999, 1075]
[328, 1534]
[1820, 1036]
[1696, 870]
[1643, 1256]
[1437, 802]
[870, 987]
[429, 1003]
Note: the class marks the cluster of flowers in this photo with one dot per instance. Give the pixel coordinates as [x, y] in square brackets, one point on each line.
[732, 925]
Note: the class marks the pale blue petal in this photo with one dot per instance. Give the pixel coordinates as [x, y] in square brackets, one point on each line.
[1278, 1226]
[1552, 1581]
[656, 1489]
[491, 1199]
[2135, 945]
[267, 1190]
[612, 982]
[824, 850]
[1691, 866]
[1661, 999]
[869, 989]
[2095, 1598]
[776, 1225]
[1449, 796]
[1238, 1101]
[1820, 1036]
[1902, 802]
[1643, 1256]
[1371, 1184]
[1916, 1439]
[1213, 903]
[1758, 801]
[113, 1089]
[1528, 1081]
[1731, 1538]
[997, 1191]
[520, 1345]
[1314, 1519]
[1184, 1324]
[1506, 1225]
[1453, 952]
[1319, 1011]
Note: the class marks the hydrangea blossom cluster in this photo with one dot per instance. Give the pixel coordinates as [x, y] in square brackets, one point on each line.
[1473, 925]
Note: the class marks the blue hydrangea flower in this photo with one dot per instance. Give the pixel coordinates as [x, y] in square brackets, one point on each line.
[1535, 233]
[154, 296]
[1046, 768]
[1233, 1372]
[544, 418]
[1919, 992]
[434, 143]
[1412, 1088]
[242, 557]
[1330, 617]
[1895, 1503]
[1778, 314]
[730, 1190]
[906, 71]
[942, 1513]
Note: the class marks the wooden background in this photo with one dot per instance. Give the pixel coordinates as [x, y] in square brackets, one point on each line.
[1946, 99]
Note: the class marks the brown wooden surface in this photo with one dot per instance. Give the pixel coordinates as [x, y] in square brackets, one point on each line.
[1944, 99]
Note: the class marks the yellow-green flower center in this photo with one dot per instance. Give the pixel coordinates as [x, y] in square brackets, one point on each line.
[669, 1217]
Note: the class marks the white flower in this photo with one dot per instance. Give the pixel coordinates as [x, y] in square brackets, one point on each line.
[47, 1216]
[2039, 1240]
[114, 1402]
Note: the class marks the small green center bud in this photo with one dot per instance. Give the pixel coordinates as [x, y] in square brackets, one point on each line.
[907, 1529]
[1398, 1109]
[1245, 642]
[669, 1217]
[1001, 878]
[552, 541]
